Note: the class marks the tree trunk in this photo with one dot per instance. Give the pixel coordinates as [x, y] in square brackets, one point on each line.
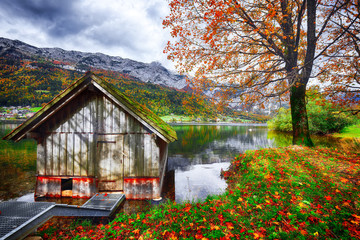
[301, 134]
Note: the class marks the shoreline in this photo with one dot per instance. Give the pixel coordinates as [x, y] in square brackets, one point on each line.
[216, 124]
[12, 121]
[19, 121]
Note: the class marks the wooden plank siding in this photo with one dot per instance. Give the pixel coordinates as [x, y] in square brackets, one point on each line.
[94, 137]
[62, 154]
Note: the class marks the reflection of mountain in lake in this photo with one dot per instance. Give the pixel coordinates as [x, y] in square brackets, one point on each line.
[214, 144]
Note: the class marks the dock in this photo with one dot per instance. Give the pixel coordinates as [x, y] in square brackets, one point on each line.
[19, 219]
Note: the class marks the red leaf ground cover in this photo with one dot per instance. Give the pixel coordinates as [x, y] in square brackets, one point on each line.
[280, 193]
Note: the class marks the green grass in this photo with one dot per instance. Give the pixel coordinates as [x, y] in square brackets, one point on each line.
[283, 193]
[349, 132]
[42, 91]
[35, 109]
[176, 118]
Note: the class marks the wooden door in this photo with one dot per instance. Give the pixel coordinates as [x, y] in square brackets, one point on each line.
[110, 161]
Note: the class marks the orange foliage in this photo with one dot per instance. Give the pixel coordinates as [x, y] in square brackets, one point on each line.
[249, 51]
[261, 48]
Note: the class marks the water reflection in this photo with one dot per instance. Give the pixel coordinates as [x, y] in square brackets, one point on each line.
[285, 139]
[203, 150]
[17, 165]
[194, 162]
[210, 143]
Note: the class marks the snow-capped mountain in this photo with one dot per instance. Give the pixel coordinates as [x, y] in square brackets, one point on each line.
[147, 72]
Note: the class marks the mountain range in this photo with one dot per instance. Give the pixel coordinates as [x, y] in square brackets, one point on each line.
[153, 72]
[33, 76]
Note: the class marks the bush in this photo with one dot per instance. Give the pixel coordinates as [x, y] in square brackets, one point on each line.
[282, 121]
[322, 121]
[323, 118]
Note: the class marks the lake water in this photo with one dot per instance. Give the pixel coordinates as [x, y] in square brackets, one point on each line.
[17, 166]
[194, 161]
[203, 150]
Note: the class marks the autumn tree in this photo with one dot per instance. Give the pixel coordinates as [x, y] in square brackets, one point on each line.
[254, 50]
[341, 70]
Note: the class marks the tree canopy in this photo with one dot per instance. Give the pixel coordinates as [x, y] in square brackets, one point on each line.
[252, 50]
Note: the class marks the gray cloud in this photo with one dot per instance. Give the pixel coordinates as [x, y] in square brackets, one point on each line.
[154, 12]
[38, 10]
[125, 28]
[56, 18]
[123, 37]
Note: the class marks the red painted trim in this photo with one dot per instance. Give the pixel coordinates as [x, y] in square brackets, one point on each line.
[88, 179]
[141, 187]
[141, 178]
[40, 179]
[84, 179]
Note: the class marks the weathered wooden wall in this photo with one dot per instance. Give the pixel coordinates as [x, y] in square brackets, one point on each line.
[94, 137]
[51, 187]
[142, 188]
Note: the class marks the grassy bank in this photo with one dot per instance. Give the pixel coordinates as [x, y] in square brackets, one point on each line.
[176, 118]
[190, 119]
[35, 109]
[283, 193]
[349, 132]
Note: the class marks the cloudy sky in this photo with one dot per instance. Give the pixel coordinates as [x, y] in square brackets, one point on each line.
[126, 28]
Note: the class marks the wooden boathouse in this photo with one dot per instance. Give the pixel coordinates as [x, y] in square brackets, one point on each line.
[92, 138]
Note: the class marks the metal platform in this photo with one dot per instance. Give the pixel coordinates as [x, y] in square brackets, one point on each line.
[104, 201]
[17, 215]
[18, 219]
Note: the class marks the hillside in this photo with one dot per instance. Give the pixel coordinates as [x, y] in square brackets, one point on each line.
[34, 82]
[33, 76]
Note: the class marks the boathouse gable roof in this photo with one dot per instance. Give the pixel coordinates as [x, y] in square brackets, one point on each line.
[90, 80]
